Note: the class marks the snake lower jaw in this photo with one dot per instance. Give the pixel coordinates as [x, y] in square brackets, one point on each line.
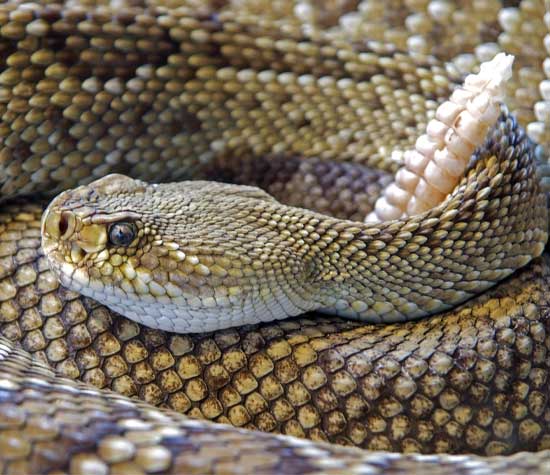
[187, 315]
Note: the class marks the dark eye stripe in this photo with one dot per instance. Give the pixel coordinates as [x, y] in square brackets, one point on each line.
[122, 234]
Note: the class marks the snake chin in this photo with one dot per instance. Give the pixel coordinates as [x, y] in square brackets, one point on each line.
[183, 314]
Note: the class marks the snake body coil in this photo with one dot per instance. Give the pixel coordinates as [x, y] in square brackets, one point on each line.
[162, 92]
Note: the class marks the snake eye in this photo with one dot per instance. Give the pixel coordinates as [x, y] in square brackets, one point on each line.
[122, 234]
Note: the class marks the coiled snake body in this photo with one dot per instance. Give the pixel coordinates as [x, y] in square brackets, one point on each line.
[171, 95]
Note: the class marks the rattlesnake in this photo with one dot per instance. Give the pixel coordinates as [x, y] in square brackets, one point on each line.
[474, 379]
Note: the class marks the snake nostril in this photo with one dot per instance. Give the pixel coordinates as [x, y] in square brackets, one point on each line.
[59, 225]
[63, 224]
[66, 224]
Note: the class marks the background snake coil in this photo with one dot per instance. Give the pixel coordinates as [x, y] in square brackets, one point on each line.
[275, 95]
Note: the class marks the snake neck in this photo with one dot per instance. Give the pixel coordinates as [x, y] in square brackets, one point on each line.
[493, 223]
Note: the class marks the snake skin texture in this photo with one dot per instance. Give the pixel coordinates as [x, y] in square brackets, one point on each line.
[169, 90]
[54, 425]
[207, 256]
[471, 380]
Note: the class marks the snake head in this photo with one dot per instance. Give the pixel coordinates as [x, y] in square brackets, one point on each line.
[184, 257]
[81, 237]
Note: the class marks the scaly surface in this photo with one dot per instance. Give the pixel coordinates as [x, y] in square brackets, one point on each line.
[81, 84]
[201, 256]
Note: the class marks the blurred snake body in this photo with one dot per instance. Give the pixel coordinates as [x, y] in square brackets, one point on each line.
[174, 98]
